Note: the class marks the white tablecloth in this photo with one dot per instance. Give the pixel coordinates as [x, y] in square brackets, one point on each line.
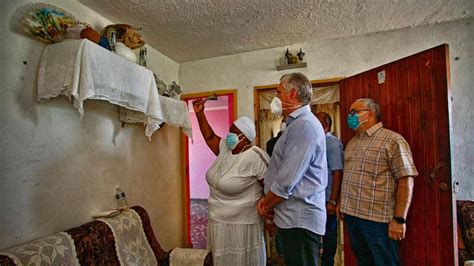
[83, 70]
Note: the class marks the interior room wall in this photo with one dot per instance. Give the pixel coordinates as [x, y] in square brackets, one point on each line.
[56, 170]
[344, 57]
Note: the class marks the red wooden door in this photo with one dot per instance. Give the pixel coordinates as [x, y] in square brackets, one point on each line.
[414, 100]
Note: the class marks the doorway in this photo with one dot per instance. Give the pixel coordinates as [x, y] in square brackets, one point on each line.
[198, 158]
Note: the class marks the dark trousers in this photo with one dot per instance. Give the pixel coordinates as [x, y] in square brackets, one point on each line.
[329, 241]
[279, 243]
[370, 242]
[300, 246]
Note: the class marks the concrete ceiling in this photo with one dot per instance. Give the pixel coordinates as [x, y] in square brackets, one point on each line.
[187, 30]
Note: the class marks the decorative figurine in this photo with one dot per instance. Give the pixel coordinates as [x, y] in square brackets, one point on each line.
[301, 55]
[289, 57]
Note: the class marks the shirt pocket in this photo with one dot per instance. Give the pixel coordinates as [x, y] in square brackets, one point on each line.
[375, 162]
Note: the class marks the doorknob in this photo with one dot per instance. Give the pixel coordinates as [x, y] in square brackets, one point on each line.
[434, 173]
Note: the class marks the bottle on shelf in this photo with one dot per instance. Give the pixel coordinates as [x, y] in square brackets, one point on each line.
[143, 55]
[121, 199]
[112, 37]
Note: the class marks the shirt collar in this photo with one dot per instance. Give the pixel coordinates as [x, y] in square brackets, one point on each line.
[303, 109]
[329, 134]
[373, 129]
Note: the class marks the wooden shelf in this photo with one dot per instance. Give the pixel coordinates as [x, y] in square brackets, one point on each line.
[290, 66]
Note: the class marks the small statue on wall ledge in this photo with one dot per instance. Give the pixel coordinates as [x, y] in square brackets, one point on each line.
[301, 55]
[288, 56]
[294, 59]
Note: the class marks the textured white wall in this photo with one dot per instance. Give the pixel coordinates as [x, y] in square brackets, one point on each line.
[348, 56]
[55, 170]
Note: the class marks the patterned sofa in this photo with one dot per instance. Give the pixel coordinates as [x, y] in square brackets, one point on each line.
[465, 213]
[124, 239]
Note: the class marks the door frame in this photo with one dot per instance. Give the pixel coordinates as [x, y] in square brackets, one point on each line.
[185, 193]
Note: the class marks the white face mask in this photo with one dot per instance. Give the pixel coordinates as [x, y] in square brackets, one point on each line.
[275, 106]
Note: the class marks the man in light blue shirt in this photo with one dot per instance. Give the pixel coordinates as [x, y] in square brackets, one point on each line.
[297, 175]
[335, 157]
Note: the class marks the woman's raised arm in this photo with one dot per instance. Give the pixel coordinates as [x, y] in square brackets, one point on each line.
[212, 140]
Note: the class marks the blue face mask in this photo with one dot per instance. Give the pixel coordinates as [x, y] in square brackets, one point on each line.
[353, 121]
[232, 140]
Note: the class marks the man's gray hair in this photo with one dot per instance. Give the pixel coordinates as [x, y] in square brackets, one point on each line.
[304, 90]
[373, 106]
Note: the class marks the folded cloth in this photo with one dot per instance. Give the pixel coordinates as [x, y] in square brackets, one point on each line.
[188, 256]
[83, 70]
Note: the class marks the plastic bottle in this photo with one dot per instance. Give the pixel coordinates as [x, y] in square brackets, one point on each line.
[112, 37]
[143, 55]
[121, 199]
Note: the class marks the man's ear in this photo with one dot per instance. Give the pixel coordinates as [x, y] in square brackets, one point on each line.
[371, 115]
[293, 93]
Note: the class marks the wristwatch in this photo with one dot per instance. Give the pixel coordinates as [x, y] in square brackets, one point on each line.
[399, 220]
[333, 202]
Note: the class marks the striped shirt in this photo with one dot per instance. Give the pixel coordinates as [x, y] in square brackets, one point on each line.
[372, 163]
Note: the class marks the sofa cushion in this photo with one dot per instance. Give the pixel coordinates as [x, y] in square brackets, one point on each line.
[95, 244]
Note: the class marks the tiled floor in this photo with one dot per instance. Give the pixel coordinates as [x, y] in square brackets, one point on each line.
[199, 223]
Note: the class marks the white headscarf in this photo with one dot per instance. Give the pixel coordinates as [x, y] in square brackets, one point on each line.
[247, 127]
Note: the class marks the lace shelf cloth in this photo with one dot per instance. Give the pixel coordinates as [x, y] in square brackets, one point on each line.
[81, 70]
[175, 113]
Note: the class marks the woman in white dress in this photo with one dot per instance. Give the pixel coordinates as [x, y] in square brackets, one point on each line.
[235, 230]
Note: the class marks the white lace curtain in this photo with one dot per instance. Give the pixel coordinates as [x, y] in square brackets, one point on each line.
[325, 99]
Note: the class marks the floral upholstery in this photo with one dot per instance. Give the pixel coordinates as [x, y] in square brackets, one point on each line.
[95, 244]
[465, 215]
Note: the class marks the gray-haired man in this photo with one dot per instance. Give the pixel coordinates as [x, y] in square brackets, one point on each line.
[297, 174]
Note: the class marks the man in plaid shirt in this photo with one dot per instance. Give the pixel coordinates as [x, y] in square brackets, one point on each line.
[377, 186]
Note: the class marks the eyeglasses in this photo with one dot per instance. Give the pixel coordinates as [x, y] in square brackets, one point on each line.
[354, 111]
